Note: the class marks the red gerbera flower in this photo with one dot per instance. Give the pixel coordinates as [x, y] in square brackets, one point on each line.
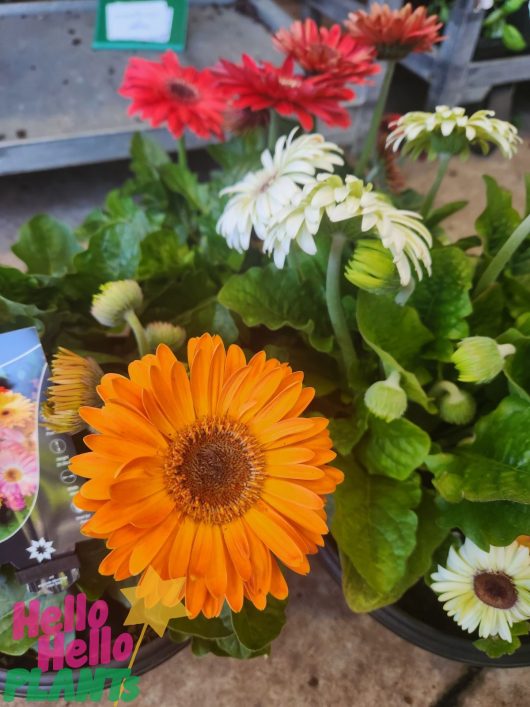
[267, 86]
[395, 33]
[322, 50]
[181, 96]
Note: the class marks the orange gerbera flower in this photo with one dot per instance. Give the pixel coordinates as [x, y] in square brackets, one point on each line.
[210, 476]
[395, 33]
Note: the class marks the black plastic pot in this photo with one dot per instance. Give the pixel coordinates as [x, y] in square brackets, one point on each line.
[150, 655]
[419, 618]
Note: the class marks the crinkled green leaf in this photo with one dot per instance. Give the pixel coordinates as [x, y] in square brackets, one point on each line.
[375, 524]
[512, 38]
[438, 215]
[14, 315]
[499, 219]
[213, 318]
[496, 466]
[488, 312]
[361, 597]
[394, 448]
[374, 334]
[495, 647]
[347, 431]
[442, 300]
[181, 180]
[256, 628]
[147, 157]
[218, 627]
[320, 371]
[496, 523]
[276, 298]
[46, 246]
[394, 328]
[163, 254]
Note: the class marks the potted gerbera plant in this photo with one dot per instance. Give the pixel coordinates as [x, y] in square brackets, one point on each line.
[219, 337]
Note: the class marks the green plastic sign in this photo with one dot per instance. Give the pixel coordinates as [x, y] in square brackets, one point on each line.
[141, 24]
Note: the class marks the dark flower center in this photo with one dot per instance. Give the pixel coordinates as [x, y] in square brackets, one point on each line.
[214, 470]
[495, 589]
[182, 91]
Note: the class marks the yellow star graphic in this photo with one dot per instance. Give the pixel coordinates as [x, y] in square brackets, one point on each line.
[154, 602]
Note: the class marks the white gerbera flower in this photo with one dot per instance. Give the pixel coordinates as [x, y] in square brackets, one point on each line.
[402, 232]
[451, 131]
[260, 196]
[486, 590]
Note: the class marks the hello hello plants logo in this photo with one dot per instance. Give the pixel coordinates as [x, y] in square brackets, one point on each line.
[93, 654]
[52, 629]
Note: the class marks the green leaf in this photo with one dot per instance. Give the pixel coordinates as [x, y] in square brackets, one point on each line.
[147, 157]
[361, 597]
[256, 628]
[517, 369]
[488, 312]
[239, 155]
[496, 523]
[499, 219]
[394, 448]
[201, 627]
[495, 647]
[113, 252]
[512, 38]
[496, 467]
[276, 298]
[181, 180]
[320, 371]
[374, 333]
[375, 525]
[527, 191]
[46, 246]
[91, 553]
[163, 254]
[395, 328]
[213, 318]
[438, 215]
[347, 431]
[14, 315]
[442, 300]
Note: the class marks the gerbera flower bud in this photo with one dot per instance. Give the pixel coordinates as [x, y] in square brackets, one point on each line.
[450, 131]
[386, 399]
[456, 406]
[372, 268]
[115, 300]
[164, 333]
[207, 473]
[74, 382]
[479, 359]
[395, 33]
[487, 591]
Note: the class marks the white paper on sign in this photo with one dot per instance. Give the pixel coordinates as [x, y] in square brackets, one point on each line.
[143, 21]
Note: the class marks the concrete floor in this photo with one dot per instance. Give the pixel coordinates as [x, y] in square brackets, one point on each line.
[325, 656]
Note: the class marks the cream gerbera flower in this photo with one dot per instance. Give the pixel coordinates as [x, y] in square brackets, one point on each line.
[486, 590]
[401, 232]
[15, 410]
[451, 131]
[260, 195]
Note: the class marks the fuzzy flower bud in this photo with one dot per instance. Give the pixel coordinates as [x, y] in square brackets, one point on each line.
[479, 359]
[164, 333]
[115, 300]
[386, 399]
[372, 268]
[455, 405]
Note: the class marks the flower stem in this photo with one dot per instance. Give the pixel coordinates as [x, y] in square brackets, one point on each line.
[443, 164]
[138, 331]
[334, 304]
[183, 157]
[371, 138]
[274, 129]
[492, 272]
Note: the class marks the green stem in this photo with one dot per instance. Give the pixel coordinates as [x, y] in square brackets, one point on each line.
[443, 164]
[492, 272]
[138, 331]
[274, 129]
[183, 157]
[334, 304]
[371, 138]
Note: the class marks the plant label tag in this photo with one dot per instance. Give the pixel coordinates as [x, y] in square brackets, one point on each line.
[141, 24]
[39, 522]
